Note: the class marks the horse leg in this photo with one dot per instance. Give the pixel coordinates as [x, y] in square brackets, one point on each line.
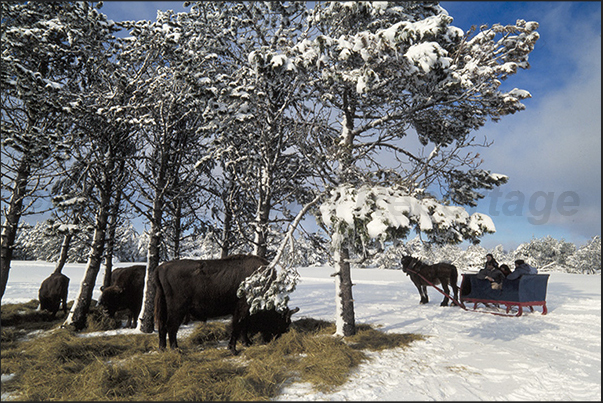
[424, 296]
[447, 291]
[421, 292]
[455, 289]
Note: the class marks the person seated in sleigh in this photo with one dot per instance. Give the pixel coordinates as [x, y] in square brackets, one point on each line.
[492, 274]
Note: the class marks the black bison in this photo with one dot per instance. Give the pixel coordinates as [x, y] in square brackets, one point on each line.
[53, 291]
[269, 323]
[207, 289]
[125, 292]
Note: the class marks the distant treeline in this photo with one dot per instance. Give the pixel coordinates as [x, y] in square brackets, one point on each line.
[40, 242]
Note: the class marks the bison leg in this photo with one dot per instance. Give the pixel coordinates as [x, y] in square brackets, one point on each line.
[164, 331]
[232, 344]
[234, 336]
[174, 318]
[245, 338]
[173, 341]
[238, 329]
[65, 305]
[56, 304]
[133, 318]
[162, 337]
[129, 322]
[173, 323]
[162, 328]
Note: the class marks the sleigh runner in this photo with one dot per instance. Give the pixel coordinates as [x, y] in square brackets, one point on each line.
[527, 291]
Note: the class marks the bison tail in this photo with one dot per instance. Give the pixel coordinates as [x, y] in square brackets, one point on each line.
[160, 304]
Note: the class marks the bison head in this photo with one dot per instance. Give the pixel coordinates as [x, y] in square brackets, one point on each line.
[270, 323]
[50, 304]
[110, 299]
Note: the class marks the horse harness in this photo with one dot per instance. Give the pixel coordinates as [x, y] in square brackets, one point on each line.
[410, 269]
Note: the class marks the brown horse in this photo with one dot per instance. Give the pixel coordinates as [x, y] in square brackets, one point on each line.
[439, 273]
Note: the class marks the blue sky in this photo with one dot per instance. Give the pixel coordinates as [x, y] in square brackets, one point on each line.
[552, 150]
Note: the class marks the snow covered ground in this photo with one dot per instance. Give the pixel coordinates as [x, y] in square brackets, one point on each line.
[468, 356]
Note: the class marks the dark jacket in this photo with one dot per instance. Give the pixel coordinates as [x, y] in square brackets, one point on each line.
[495, 274]
[521, 270]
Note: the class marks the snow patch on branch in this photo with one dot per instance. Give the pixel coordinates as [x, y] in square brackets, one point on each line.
[428, 55]
[382, 213]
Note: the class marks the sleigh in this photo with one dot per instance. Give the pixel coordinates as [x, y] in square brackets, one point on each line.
[527, 291]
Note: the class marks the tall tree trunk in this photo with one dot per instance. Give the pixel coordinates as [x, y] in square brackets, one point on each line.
[344, 302]
[11, 222]
[227, 197]
[177, 228]
[112, 226]
[108, 264]
[66, 245]
[225, 248]
[263, 216]
[146, 322]
[346, 325]
[64, 251]
[81, 307]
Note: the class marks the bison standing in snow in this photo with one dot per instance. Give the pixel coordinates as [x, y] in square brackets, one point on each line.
[208, 289]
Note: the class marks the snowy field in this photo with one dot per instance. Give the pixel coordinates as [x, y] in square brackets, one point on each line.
[468, 356]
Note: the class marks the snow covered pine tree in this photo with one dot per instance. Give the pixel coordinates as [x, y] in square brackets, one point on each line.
[391, 69]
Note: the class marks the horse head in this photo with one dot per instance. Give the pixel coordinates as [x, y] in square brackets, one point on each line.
[409, 263]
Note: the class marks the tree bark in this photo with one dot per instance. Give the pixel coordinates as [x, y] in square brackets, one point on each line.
[146, 323]
[226, 235]
[263, 216]
[11, 223]
[225, 247]
[112, 226]
[64, 252]
[177, 228]
[81, 307]
[346, 325]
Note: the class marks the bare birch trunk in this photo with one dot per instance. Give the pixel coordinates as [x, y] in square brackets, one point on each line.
[146, 322]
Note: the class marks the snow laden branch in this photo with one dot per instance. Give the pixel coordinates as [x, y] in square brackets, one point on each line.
[269, 288]
[365, 215]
